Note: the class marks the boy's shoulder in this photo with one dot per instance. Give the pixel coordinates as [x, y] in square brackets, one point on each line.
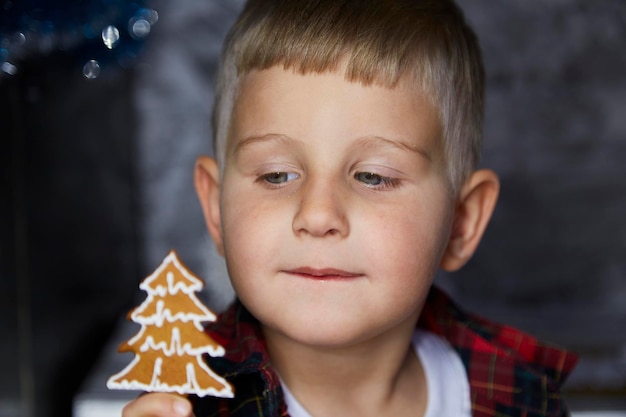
[246, 366]
[510, 372]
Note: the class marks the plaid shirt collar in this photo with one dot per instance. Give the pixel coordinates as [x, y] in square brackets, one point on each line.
[511, 374]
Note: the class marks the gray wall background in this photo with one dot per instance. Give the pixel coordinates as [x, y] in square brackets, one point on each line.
[554, 258]
[98, 175]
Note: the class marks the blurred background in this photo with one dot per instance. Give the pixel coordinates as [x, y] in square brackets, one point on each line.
[104, 106]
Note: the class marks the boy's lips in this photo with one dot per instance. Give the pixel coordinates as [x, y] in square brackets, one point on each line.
[322, 273]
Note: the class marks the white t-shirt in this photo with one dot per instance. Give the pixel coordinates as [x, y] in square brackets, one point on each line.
[446, 379]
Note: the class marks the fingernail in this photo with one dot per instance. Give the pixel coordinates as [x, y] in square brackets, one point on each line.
[181, 407]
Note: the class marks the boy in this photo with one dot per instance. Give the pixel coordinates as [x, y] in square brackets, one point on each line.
[347, 136]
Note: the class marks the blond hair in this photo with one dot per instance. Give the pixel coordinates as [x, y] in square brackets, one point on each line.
[381, 41]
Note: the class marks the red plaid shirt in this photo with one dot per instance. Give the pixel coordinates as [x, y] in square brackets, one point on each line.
[511, 374]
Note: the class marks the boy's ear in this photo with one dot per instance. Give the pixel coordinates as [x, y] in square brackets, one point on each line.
[206, 179]
[476, 203]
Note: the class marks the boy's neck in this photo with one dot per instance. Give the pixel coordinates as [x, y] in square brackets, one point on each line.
[382, 376]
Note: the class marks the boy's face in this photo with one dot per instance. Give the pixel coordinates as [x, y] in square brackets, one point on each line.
[334, 205]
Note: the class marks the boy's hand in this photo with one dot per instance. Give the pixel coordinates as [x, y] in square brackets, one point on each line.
[158, 405]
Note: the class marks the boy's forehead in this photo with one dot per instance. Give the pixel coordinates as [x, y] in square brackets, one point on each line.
[263, 81]
[283, 98]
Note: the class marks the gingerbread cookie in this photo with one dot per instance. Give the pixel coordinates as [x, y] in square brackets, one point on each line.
[169, 347]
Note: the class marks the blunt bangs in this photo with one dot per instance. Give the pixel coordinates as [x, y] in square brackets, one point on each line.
[379, 42]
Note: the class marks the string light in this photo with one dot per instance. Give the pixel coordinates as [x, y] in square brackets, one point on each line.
[94, 33]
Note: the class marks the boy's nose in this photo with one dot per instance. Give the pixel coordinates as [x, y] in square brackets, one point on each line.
[321, 211]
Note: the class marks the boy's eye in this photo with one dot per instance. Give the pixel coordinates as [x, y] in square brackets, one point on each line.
[371, 179]
[279, 177]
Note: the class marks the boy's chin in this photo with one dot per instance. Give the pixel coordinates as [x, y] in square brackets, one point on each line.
[335, 334]
[321, 340]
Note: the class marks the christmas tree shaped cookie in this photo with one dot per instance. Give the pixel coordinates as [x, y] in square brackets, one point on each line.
[169, 347]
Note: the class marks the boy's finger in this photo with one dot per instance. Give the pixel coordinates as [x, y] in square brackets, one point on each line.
[158, 405]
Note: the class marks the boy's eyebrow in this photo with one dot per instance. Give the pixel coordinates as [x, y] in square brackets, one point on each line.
[268, 137]
[366, 141]
[400, 143]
